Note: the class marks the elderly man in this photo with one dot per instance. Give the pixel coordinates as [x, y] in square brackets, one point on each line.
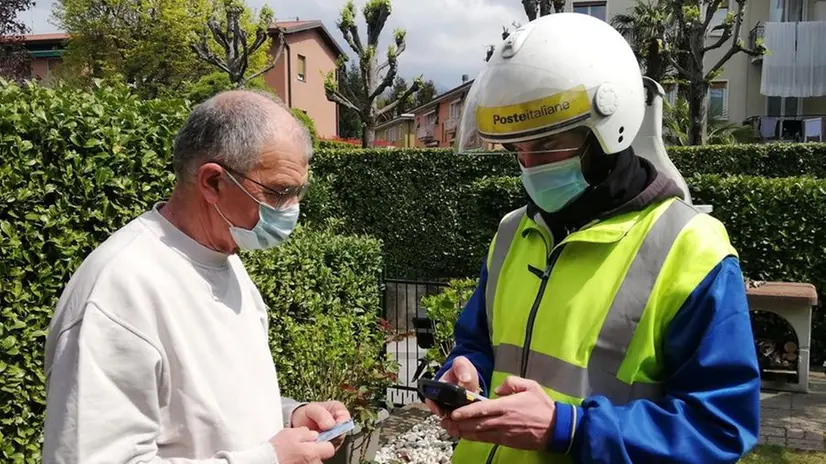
[158, 349]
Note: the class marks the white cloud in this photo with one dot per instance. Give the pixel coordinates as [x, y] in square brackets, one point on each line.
[445, 38]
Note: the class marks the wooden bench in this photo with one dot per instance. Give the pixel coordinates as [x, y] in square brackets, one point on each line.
[793, 302]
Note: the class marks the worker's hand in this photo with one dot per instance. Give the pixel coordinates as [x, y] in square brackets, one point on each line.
[298, 446]
[523, 417]
[320, 417]
[462, 373]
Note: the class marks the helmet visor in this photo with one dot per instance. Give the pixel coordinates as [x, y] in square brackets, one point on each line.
[500, 114]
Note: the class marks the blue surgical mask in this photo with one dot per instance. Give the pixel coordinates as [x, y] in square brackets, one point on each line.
[552, 186]
[274, 226]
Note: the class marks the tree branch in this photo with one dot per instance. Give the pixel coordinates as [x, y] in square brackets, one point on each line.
[398, 52]
[723, 39]
[336, 96]
[736, 43]
[413, 88]
[202, 50]
[712, 9]
[282, 44]
[270, 66]
[351, 35]
[677, 66]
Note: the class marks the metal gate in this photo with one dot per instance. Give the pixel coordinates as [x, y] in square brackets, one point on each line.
[413, 333]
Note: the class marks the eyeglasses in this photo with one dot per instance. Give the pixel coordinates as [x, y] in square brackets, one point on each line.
[276, 196]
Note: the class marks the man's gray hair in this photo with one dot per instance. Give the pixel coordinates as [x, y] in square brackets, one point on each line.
[230, 131]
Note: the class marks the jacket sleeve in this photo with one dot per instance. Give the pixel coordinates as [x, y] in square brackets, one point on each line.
[471, 336]
[711, 411]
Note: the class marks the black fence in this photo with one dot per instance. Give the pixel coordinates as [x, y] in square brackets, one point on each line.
[413, 333]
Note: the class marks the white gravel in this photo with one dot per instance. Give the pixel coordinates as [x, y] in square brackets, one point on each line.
[425, 443]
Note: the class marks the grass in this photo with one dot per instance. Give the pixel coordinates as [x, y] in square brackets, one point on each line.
[771, 454]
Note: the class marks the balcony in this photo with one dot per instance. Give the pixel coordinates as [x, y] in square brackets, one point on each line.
[426, 133]
[756, 35]
[450, 125]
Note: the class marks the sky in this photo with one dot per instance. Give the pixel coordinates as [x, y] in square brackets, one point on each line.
[445, 38]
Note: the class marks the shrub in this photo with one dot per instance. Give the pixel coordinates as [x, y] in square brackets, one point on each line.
[443, 310]
[308, 122]
[767, 160]
[76, 167]
[326, 335]
[410, 199]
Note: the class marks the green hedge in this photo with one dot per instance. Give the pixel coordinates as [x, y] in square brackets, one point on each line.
[410, 199]
[766, 160]
[77, 166]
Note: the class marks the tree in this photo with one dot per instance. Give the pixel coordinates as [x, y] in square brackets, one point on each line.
[720, 130]
[692, 22]
[143, 43]
[644, 26]
[236, 44]
[397, 92]
[426, 94]
[533, 9]
[374, 82]
[538, 8]
[351, 84]
[14, 58]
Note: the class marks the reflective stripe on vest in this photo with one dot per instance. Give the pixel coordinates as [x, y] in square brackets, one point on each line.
[618, 328]
[504, 236]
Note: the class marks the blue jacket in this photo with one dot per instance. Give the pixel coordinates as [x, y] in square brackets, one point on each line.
[711, 411]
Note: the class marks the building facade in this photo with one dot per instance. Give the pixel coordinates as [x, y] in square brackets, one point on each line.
[782, 95]
[400, 132]
[298, 77]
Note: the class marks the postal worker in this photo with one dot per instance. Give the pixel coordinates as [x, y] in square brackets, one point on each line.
[610, 323]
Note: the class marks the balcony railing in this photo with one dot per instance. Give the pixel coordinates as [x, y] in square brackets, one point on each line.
[756, 35]
[450, 124]
[426, 132]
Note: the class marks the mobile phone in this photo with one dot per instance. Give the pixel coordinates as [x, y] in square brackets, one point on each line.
[447, 395]
[338, 430]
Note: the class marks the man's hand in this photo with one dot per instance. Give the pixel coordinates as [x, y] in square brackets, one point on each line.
[323, 416]
[522, 418]
[462, 373]
[298, 446]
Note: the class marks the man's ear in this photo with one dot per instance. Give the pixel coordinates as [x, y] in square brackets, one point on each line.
[209, 179]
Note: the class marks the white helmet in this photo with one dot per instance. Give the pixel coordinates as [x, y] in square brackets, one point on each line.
[553, 74]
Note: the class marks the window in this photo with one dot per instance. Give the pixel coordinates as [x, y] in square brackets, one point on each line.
[393, 134]
[430, 118]
[782, 106]
[595, 9]
[302, 68]
[456, 109]
[718, 100]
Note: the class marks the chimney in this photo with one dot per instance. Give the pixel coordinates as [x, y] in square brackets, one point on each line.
[465, 78]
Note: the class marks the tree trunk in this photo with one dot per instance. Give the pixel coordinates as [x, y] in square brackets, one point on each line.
[655, 65]
[698, 112]
[368, 135]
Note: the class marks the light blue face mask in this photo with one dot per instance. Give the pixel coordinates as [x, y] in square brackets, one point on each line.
[552, 186]
[274, 226]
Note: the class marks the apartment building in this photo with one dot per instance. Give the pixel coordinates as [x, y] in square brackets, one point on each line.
[400, 132]
[782, 95]
[297, 78]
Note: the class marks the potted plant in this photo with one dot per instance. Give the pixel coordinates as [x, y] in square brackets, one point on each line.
[340, 357]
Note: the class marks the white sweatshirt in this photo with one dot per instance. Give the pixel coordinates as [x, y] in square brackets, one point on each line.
[158, 353]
